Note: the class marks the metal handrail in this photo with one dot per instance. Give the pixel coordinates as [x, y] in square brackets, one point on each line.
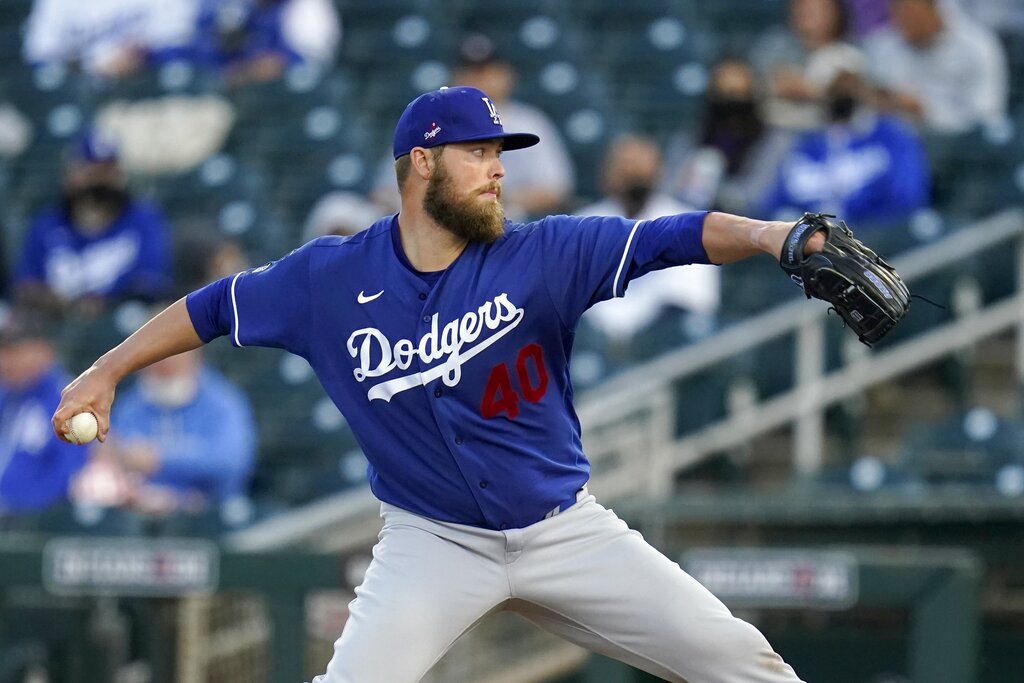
[634, 403]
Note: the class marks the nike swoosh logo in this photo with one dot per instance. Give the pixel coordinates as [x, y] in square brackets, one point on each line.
[363, 299]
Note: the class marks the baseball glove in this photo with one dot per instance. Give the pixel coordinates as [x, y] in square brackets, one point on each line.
[860, 286]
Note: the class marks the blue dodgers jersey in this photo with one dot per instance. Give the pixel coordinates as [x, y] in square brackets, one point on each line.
[456, 387]
[36, 467]
[132, 257]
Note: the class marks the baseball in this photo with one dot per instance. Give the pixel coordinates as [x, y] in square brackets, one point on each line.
[82, 428]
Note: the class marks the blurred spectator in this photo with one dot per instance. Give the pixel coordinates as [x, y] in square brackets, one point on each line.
[340, 213]
[866, 16]
[170, 134]
[255, 40]
[866, 167]
[184, 438]
[538, 180]
[631, 174]
[789, 60]
[35, 466]
[109, 38]
[940, 67]
[99, 245]
[734, 157]
[1002, 16]
[15, 131]
[204, 257]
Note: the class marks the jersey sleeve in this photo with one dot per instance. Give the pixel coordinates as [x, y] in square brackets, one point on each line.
[590, 259]
[676, 240]
[265, 306]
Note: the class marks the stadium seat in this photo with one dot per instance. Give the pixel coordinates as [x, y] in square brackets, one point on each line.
[972, 447]
[754, 285]
[525, 34]
[70, 520]
[701, 399]
[604, 16]
[395, 32]
[745, 18]
[302, 436]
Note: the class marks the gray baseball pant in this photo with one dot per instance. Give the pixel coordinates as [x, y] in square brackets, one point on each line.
[582, 575]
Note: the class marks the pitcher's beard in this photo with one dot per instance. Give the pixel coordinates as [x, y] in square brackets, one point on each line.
[464, 217]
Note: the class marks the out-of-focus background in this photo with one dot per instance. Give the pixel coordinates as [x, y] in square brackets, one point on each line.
[864, 507]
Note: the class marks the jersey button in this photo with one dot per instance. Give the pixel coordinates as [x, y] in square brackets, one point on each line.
[483, 484]
[423, 296]
[426, 318]
[437, 393]
[503, 527]
[458, 440]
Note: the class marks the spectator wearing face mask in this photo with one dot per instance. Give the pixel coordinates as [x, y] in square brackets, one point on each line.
[868, 167]
[630, 181]
[183, 436]
[99, 245]
[734, 154]
[789, 60]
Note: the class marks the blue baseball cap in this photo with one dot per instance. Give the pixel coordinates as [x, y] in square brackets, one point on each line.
[96, 147]
[457, 114]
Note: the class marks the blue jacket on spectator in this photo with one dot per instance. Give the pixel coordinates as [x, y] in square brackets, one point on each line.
[240, 30]
[35, 466]
[130, 258]
[872, 170]
[207, 445]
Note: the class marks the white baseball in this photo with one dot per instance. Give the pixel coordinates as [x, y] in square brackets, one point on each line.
[82, 428]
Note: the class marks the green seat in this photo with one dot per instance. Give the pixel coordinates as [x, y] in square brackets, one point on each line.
[969, 447]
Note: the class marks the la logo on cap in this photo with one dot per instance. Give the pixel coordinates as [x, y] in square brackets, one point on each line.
[494, 112]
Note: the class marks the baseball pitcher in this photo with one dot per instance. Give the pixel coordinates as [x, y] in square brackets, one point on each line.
[444, 334]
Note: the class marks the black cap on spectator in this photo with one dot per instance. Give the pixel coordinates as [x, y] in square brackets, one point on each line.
[477, 49]
[21, 325]
[95, 147]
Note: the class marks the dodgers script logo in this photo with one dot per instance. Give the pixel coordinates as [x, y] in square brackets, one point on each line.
[454, 343]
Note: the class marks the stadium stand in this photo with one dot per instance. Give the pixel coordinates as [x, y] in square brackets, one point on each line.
[595, 66]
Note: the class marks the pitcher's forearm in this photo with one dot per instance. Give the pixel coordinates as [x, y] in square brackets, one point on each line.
[729, 238]
[168, 333]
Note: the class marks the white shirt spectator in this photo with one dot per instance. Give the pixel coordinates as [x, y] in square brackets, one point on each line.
[312, 28]
[15, 131]
[1002, 15]
[694, 287]
[546, 165]
[960, 79]
[98, 32]
[339, 213]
